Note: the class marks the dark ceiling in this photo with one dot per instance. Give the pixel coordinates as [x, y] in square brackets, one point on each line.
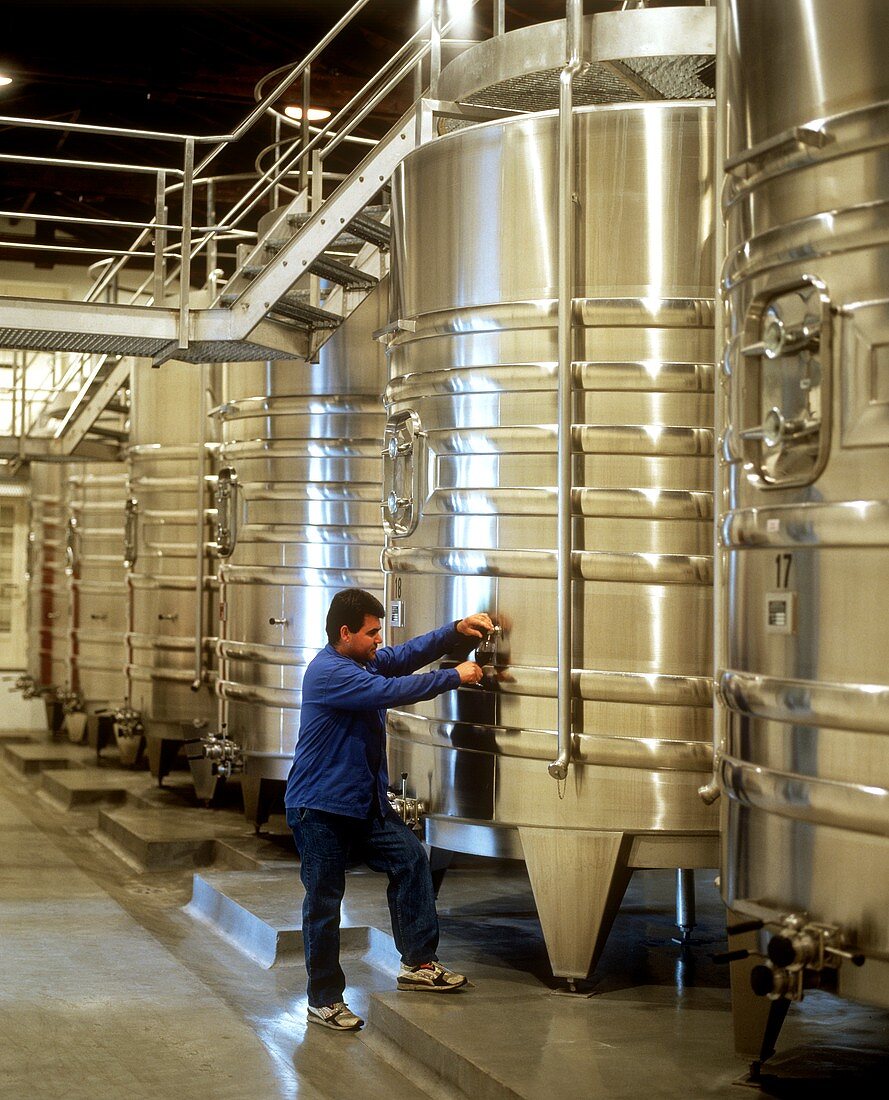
[174, 66]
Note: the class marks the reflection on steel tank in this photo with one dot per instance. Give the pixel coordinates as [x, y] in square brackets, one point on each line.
[171, 641]
[94, 562]
[802, 656]
[299, 519]
[470, 496]
[48, 592]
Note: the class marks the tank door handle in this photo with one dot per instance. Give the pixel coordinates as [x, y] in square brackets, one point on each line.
[780, 385]
[226, 493]
[130, 550]
[403, 468]
[71, 546]
[100, 617]
[170, 617]
[278, 622]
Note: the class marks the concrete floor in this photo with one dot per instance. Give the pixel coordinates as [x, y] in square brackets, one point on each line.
[116, 984]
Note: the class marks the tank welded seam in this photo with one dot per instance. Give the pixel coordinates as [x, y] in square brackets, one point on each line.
[295, 656]
[802, 798]
[863, 708]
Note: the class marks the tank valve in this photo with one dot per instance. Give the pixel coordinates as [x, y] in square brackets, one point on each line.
[71, 701]
[410, 810]
[28, 687]
[802, 955]
[223, 754]
[127, 723]
[486, 656]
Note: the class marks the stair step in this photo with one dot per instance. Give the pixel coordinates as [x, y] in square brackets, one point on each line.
[230, 297]
[364, 227]
[29, 759]
[337, 272]
[295, 309]
[165, 839]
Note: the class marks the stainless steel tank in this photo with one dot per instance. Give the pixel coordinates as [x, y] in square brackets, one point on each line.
[470, 480]
[171, 640]
[803, 505]
[48, 591]
[97, 494]
[299, 518]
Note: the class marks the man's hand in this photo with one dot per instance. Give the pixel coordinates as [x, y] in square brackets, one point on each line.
[475, 626]
[470, 672]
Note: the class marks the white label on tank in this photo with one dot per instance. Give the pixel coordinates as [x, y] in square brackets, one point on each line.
[781, 612]
[773, 525]
[396, 612]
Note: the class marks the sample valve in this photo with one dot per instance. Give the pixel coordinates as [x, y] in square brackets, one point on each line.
[410, 810]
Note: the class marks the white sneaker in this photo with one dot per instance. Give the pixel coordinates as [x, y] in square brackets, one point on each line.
[337, 1016]
[429, 977]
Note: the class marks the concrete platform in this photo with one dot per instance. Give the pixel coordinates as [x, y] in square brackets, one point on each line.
[17, 737]
[79, 788]
[168, 838]
[29, 759]
[259, 913]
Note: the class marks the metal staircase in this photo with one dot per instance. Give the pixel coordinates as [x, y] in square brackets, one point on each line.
[315, 258]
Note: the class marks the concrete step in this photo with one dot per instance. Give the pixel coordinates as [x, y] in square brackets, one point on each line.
[29, 759]
[167, 838]
[258, 852]
[260, 913]
[17, 737]
[75, 788]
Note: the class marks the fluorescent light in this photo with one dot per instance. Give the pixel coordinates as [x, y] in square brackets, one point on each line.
[316, 114]
[4, 80]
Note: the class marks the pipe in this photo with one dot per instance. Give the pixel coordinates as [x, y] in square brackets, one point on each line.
[558, 769]
[710, 791]
[199, 559]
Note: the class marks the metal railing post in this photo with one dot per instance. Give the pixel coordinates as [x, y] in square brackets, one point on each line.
[558, 769]
[160, 237]
[435, 49]
[499, 17]
[185, 253]
[212, 243]
[304, 127]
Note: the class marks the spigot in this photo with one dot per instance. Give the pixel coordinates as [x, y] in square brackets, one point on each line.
[224, 754]
[71, 701]
[802, 955]
[410, 810]
[128, 722]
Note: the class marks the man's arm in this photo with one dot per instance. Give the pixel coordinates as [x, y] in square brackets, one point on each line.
[352, 687]
[399, 660]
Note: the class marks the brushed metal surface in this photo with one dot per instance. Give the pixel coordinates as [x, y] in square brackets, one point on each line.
[97, 494]
[802, 512]
[164, 463]
[475, 363]
[305, 441]
[49, 593]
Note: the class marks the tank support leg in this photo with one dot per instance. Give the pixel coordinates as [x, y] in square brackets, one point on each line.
[686, 918]
[750, 1014]
[439, 861]
[579, 878]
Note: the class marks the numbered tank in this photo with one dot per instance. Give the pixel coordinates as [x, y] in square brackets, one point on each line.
[171, 640]
[97, 494]
[470, 491]
[804, 675]
[48, 591]
[299, 518]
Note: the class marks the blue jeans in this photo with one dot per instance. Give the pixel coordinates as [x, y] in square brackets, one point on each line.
[326, 843]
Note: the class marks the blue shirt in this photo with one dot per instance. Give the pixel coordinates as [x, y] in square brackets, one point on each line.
[339, 764]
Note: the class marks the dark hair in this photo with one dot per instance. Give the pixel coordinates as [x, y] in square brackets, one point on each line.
[348, 608]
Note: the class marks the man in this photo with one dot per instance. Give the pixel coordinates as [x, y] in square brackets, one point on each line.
[336, 794]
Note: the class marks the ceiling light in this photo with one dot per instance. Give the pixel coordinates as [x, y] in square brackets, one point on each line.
[316, 114]
[4, 80]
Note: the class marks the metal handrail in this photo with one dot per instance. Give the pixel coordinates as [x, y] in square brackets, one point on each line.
[303, 156]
